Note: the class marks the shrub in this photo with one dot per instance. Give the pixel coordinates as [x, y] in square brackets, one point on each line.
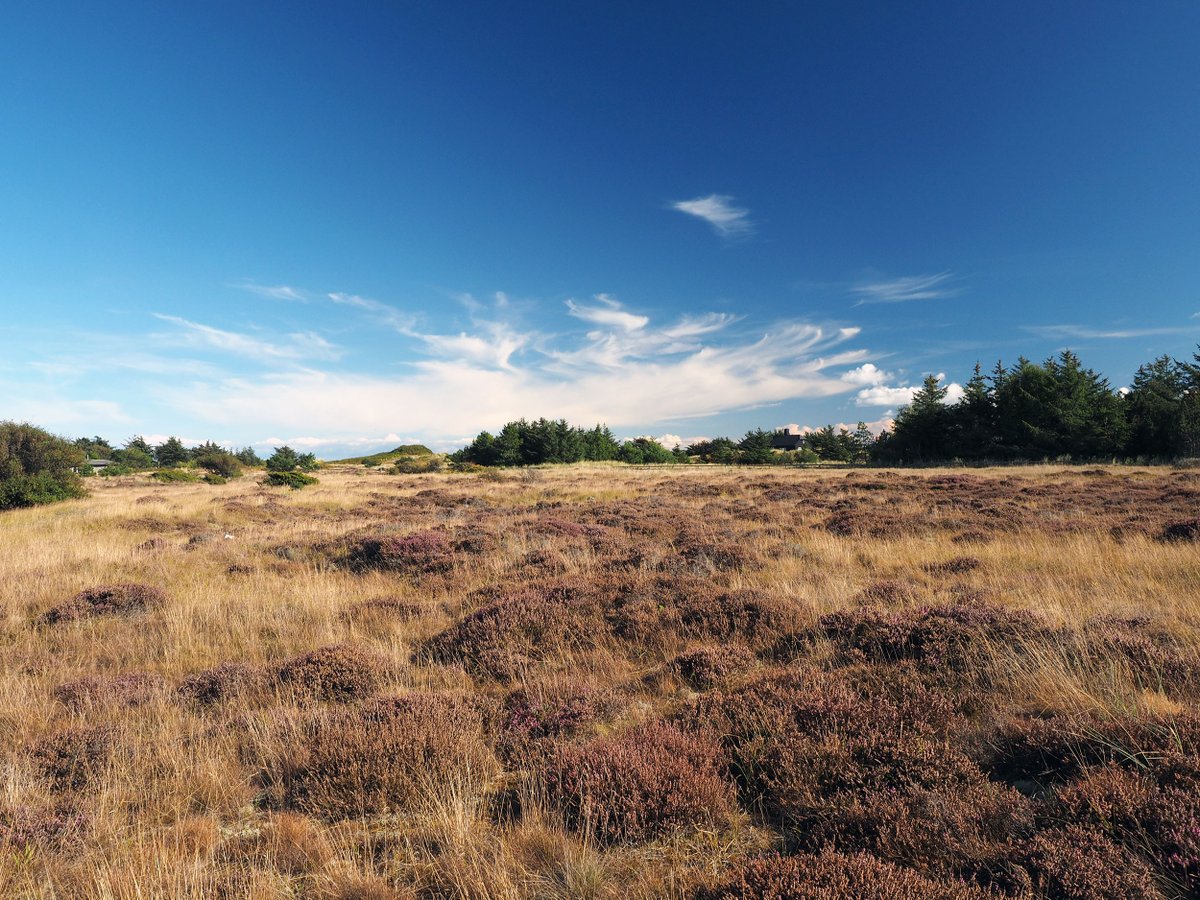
[386, 755]
[943, 636]
[222, 683]
[75, 758]
[293, 480]
[339, 674]
[640, 784]
[46, 828]
[218, 462]
[1181, 532]
[112, 599]
[128, 689]
[423, 552]
[1079, 864]
[832, 876]
[534, 717]
[707, 667]
[517, 630]
[36, 467]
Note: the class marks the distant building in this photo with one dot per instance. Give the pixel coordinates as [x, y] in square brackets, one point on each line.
[98, 464]
[789, 437]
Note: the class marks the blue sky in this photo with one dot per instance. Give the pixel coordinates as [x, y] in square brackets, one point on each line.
[346, 225]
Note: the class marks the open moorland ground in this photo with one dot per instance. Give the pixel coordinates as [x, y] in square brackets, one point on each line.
[606, 682]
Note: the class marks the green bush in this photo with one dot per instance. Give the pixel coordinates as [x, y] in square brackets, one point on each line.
[168, 476]
[213, 478]
[36, 467]
[293, 480]
[219, 462]
[417, 466]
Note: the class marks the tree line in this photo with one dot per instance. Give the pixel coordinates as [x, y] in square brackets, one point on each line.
[1056, 409]
[136, 454]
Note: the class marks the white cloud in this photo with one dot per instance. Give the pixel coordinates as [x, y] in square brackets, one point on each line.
[381, 312]
[882, 395]
[300, 345]
[609, 312]
[275, 292]
[629, 371]
[905, 288]
[717, 210]
[1084, 332]
[866, 374]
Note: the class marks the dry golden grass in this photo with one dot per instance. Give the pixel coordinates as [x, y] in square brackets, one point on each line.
[179, 806]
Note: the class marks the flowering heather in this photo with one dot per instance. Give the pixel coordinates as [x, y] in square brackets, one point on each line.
[639, 785]
[109, 600]
[339, 673]
[388, 754]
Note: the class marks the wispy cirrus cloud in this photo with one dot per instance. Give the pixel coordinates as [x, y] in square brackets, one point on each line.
[905, 288]
[625, 370]
[717, 210]
[297, 345]
[381, 312]
[1087, 332]
[275, 292]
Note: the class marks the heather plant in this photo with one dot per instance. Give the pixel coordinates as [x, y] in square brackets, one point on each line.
[830, 875]
[421, 553]
[99, 691]
[517, 630]
[708, 667]
[74, 758]
[223, 683]
[640, 784]
[340, 674]
[390, 754]
[108, 600]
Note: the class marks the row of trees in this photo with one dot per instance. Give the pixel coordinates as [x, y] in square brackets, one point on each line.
[137, 454]
[523, 443]
[1054, 409]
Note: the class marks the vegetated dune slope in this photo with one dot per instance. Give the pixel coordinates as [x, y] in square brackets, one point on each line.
[606, 682]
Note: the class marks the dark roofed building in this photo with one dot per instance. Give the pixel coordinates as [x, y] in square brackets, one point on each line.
[789, 437]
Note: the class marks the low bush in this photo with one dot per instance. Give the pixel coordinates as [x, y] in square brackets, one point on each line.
[338, 674]
[1076, 862]
[534, 717]
[387, 755]
[41, 827]
[109, 600]
[74, 758]
[293, 480]
[127, 689]
[639, 785]
[832, 876]
[518, 630]
[704, 668]
[223, 683]
[423, 552]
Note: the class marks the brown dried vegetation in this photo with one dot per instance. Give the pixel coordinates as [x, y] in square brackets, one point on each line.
[613, 682]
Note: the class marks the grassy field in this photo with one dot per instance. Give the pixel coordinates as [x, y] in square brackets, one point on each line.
[606, 682]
